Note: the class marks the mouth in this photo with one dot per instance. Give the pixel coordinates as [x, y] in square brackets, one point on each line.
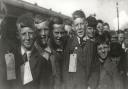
[103, 55]
[80, 32]
[43, 37]
[27, 43]
[58, 40]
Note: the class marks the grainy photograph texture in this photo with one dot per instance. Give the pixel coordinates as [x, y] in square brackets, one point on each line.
[63, 44]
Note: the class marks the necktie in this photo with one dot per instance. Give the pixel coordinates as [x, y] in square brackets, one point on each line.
[25, 57]
[81, 41]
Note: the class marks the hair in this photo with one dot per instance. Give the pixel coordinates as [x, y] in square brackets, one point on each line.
[55, 20]
[78, 14]
[40, 18]
[102, 40]
[107, 36]
[126, 29]
[115, 49]
[25, 20]
[47, 22]
[100, 21]
[92, 22]
[67, 22]
[9, 30]
[106, 24]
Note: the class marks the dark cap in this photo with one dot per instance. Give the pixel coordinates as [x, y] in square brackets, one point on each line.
[115, 49]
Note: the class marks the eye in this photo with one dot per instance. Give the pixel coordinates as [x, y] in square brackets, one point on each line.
[31, 33]
[56, 32]
[76, 25]
[82, 24]
[23, 33]
[46, 29]
[99, 48]
[39, 29]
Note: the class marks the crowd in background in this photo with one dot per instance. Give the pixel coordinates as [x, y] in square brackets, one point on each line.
[51, 53]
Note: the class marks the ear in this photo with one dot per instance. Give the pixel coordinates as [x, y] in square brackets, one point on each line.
[73, 27]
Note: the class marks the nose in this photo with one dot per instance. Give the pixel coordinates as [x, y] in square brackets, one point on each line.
[103, 50]
[27, 36]
[79, 26]
[43, 32]
[59, 35]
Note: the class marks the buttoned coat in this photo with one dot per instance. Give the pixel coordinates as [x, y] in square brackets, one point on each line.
[38, 65]
[40, 71]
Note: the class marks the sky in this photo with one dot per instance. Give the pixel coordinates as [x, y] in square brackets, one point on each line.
[104, 9]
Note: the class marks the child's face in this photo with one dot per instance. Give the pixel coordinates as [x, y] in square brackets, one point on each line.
[126, 43]
[103, 50]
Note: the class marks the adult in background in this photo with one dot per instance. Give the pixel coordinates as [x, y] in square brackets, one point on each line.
[121, 37]
[114, 36]
[126, 30]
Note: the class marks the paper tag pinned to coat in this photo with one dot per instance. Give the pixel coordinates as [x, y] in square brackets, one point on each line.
[73, 62]
[26, 74]
[10, 66]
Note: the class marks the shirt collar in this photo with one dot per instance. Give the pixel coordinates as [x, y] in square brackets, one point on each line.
[78, 40]
[126, 49]
[123, 46]
[101, 60]
[48, 49]
[23, 50]
[85, 38]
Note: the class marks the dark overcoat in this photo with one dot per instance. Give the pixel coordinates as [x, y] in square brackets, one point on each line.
[85, 56]
[38, 65]
[5, 48]
[39, 69]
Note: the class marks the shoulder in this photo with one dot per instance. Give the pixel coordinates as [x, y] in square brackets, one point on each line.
[90, 42]
[35, 55]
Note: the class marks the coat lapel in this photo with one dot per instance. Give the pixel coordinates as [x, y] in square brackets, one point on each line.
[35, 63]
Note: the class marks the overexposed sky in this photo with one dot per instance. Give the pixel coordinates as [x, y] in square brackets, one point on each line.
[104, 9]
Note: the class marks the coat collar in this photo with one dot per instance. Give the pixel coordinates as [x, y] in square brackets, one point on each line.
[76, 42]
[47, 49]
